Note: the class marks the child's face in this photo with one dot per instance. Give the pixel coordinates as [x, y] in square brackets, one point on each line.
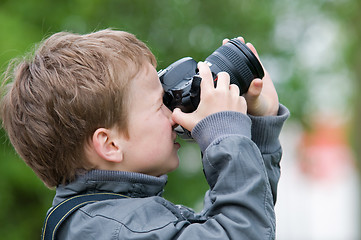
[151, 148]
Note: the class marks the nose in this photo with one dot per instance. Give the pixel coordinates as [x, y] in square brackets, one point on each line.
[168, 113]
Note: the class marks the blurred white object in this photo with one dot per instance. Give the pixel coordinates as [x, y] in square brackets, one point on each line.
[318, 194]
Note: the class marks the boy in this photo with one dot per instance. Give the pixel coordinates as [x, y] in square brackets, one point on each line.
[86, 114]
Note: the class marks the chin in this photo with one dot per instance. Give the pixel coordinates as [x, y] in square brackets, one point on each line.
[176, 165]
[173, 167]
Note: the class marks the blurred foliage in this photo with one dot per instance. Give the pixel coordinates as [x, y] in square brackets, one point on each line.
[172, 29]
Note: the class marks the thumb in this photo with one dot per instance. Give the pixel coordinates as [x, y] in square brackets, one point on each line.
[254, 90]
[183, 119]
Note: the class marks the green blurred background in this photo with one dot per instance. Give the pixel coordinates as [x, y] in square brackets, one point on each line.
[311, 49]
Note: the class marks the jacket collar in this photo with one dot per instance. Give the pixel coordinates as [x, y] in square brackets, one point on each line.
[126, 183]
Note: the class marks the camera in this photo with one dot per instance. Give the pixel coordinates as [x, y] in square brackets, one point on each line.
[181, 82]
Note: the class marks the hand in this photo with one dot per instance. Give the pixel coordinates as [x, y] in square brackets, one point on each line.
[224, 97]
[262, 98]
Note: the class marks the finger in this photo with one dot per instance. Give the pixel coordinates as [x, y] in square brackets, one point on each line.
[242, 105]
[254, 89]
[226, 40]
[223, 81]
[234, 89]
[206, 75]
[241, 39]
[243, 101]
[253, 49]
[182, 119]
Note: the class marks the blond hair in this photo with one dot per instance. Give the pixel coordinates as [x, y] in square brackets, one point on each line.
[56, 99]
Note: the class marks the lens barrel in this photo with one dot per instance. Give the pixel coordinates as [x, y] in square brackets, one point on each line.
[238, 61]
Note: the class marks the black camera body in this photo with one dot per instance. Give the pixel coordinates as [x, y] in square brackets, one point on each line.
[181, 82]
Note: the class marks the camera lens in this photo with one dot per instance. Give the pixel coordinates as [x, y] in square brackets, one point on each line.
[238, 61]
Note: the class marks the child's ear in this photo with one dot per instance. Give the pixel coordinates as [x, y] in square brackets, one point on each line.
[107, 145]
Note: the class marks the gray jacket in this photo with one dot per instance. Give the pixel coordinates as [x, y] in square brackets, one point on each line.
[242, 173]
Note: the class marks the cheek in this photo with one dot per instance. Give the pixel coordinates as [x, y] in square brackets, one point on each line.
[162, 124]
[152, 131]
[154, 134]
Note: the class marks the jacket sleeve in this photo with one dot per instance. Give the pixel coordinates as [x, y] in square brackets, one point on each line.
[239, 204]
[265, 134]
